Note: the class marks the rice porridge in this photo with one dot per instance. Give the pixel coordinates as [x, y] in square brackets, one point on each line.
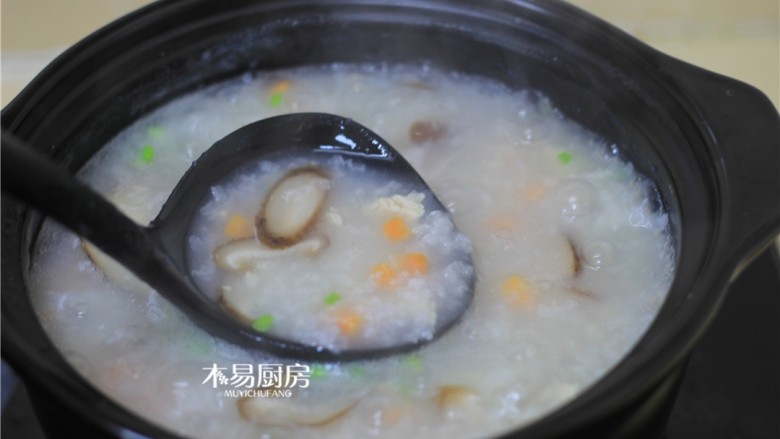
[572, 261]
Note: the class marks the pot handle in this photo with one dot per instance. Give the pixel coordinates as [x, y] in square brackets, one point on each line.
[743, 130]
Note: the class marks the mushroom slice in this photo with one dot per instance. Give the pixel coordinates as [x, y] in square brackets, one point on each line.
[453, 400]
[577, 265]
[556, 258]
[289, 412]
[112, 269]
[575, 256]
[420, 85]
[422, 131]
[292, 207]
[244, 254]
[133, 201]
[242, 257]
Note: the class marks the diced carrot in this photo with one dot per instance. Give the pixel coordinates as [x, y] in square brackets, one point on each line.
[349, 321]
[280, 87]
[502, 224]
[238, 227]
[535, 191]
[383, 274]
[410, 264]
[277, 92]
[518, 292]
[396, 229]
[116, 372]
[392, 415]
[414, 264]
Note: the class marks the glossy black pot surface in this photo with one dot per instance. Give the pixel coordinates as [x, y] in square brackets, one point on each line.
[711, 144]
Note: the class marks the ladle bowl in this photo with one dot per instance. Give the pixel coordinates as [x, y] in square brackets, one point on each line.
[157, 254]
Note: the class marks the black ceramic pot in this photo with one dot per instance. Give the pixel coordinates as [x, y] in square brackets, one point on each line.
[711, 144]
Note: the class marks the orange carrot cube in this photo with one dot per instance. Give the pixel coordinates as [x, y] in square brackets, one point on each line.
[518, 292]
[414, 264]
[383, 274]
[238, 227]
[349, 321]
[280, 87]
[396, 229]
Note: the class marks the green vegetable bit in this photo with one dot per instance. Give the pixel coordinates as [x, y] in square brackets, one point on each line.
[147, 154]
[565, 158]
[406, 389]
[357, 371]
[332, 298]
[263, 323]
[276, 99]
[199, 346]
[318, 371]
[414, 362]
[155, 132]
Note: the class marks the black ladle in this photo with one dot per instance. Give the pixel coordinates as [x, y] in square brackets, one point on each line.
[157, 253]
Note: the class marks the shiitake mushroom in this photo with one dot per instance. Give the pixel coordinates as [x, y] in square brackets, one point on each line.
[426, 131]
[292, 207]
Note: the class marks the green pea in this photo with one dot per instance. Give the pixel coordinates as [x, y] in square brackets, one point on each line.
[357, 371]
[332, 298]
[147, 154]
[155, 132]
[318, 371]
[565, 158]
[199, 346]
[406, 389]
[263, 323]
[276, 99]
[414, 362]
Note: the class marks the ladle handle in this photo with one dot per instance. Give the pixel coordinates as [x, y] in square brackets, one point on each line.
[33, 178]
[30, 176]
